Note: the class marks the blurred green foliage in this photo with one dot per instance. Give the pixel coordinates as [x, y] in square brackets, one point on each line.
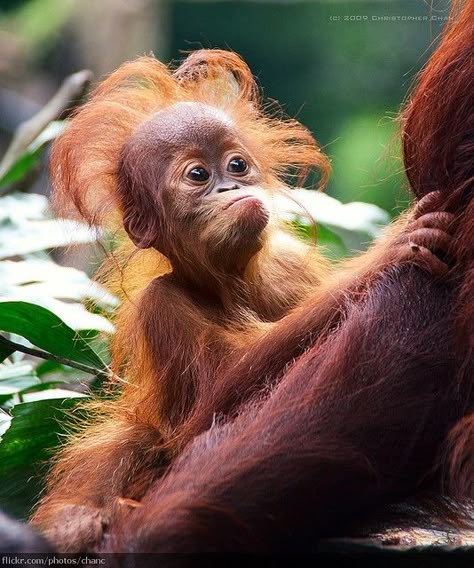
[39, 22]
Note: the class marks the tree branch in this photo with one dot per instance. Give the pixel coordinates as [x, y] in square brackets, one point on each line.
[50, 357]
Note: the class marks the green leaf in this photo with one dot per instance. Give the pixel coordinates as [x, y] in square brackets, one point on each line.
[52, 131]
[66, 375]
[35, 431]
[5, 352]
[332, 244]
[342, 218]
[21, 238]
[20, 168]
[48, 367]
[18, 384]
[45, 330]
[31, 157]
[14, 370]
[50, 385]
[15, 379]
[23, 206]
[58, 289]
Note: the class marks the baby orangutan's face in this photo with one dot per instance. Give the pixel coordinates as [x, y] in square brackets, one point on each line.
[190, 161]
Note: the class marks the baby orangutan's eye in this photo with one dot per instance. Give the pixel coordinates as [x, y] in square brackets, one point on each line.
[198, 174]
[237, 166]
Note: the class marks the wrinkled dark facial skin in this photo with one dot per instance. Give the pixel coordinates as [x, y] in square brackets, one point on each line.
[191, 188]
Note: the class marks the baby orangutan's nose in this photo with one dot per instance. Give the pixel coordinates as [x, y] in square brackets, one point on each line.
[230, 187]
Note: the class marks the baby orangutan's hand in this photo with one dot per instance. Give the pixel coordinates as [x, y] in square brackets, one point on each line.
[427, 239]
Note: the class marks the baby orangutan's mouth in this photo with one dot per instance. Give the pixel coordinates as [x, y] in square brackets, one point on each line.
[240, 198]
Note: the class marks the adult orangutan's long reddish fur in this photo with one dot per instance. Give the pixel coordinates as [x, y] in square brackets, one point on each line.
[383, 364]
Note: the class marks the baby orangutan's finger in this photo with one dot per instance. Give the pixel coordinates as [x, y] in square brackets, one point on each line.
[432, 239]
[430, 203]
[425, 259]
[437, 220]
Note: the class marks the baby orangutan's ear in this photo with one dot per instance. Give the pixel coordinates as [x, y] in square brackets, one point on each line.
[138, 207]
[220, 74]
[141, 226]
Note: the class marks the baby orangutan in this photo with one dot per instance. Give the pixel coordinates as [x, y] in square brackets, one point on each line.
[187, 163]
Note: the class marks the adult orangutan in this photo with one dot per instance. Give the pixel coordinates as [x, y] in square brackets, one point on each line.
[188, 163]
